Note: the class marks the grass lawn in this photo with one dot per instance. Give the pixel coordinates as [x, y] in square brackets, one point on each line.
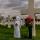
[7, 33]
[37, 32]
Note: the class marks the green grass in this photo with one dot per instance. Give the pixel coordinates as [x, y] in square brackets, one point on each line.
[7, 33]
[37, 32]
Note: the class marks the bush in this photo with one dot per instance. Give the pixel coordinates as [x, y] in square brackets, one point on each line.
[38, 26]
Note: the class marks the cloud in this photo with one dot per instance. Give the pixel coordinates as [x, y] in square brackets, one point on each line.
[13, 3]
[36, 0]
[37, 4]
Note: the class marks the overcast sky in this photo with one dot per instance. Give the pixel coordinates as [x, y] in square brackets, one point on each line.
[6, 6]
[37, 3]
[13, 3]
[17, 3]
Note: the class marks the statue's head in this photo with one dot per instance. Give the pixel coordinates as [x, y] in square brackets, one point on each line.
[18, 18]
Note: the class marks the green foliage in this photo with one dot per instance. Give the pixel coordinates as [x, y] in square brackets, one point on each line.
[24, 32]
[38, 27]
[7, 33]
[37, 32]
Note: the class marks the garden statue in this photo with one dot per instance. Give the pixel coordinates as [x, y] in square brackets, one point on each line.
[17, 26]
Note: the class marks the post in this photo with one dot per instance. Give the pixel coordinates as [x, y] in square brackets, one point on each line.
[33, 29]
[31, 12]
[9, 23]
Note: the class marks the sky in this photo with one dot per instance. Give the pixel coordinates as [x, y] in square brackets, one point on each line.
[13, 3]
[37, 3]
[17, 3]
[7, 5]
